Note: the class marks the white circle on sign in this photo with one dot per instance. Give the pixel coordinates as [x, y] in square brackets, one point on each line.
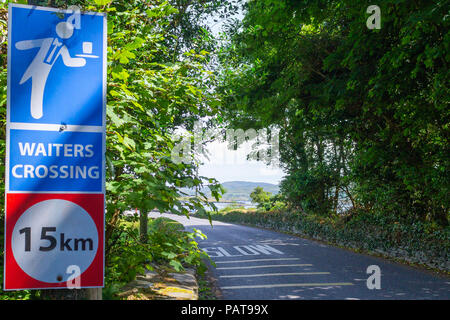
[51, 236]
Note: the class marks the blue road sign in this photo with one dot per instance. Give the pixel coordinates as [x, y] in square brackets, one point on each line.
[56, 66]
[54, 161]
[56, 100]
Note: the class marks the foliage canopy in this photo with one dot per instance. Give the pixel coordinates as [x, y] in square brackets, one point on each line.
[363, 114]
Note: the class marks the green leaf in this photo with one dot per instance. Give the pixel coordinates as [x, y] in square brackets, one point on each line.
[177, 265]
[114, 117]
[102, 2]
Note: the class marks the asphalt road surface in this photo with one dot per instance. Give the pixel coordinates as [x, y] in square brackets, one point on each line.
[257, 264]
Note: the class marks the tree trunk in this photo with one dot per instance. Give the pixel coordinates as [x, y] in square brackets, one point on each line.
[72, 294]
[143, 226]
[322, 186]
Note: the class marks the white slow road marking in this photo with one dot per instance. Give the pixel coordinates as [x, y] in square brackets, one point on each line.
[289, 285]
[266, 266]
[256, 260]
[273, 274]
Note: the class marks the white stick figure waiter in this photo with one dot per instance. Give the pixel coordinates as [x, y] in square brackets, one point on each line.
[39, 69]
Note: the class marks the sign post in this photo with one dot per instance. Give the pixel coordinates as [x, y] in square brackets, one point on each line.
[55, 172]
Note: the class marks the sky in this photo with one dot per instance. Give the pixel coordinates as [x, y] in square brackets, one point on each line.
[228, 165]
[232, 165]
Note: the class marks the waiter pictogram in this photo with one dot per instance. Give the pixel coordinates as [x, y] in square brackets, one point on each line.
[50, 49]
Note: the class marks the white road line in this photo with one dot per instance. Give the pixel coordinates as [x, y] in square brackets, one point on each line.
[273, 274]
[256, 260]
[289, 285]
[266, 266]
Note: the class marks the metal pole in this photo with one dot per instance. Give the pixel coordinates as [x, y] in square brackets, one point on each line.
[67, 294]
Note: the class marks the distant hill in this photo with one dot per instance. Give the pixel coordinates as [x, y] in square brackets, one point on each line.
[240, 190]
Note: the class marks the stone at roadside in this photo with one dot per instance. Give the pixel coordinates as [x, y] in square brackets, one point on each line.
[160, 286]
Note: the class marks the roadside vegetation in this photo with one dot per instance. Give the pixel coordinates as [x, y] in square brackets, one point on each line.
[401, 239]
[169, 247]
[363, 119]
[158, 81]
[363, 114]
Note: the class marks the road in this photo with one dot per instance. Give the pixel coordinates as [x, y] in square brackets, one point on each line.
[258, 264]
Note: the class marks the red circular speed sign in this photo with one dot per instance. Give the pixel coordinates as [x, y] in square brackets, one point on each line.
[48, 235]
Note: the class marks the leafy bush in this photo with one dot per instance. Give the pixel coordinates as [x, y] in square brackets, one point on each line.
[260, 197]
[233, 207]
[165, 225]
[168, 244]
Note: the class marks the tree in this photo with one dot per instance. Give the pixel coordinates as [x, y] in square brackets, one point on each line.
[362, 113]
[259, 196]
